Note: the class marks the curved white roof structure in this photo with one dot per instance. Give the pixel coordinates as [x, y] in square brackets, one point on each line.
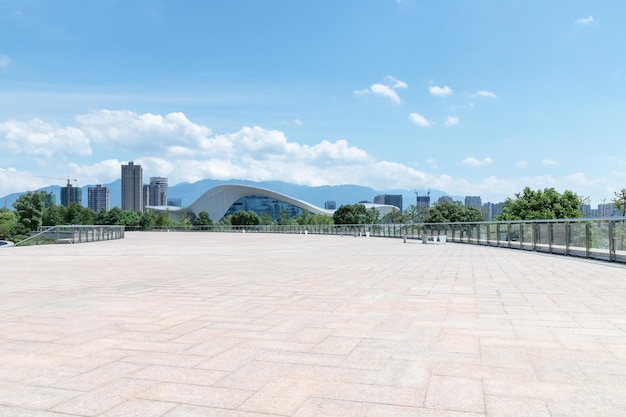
[218, 200]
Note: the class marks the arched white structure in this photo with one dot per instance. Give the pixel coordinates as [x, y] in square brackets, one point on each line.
[219, 199]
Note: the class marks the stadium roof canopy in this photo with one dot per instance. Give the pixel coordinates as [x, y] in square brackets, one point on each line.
[218, 200]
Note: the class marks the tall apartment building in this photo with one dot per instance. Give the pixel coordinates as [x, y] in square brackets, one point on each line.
[98, 198]
[49, 199]
[473, 201]
[145, 196]
[158, 191]
[445, 199]
[132, 187]
[71, 195]
[389, 199]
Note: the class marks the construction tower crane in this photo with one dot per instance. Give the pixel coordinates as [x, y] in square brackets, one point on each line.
[68, 186]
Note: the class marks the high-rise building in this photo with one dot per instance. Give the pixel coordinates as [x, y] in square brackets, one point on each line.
[98, 198]
[132, 191]
[445, 199]
[49, 199]
[389, 199]
[71, 195]
[330, 205]
[145, 195]
[473, 201]
[158, 191]
[173, 201]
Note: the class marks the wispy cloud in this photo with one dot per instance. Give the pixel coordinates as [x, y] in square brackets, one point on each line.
[297, 122]
[483, 93]
[584, 20]
[419, 120]
[473, 162]
[549, 162]
[452, 120]
[521, 164]
[4, 61]
[440, 91]
[385, 90]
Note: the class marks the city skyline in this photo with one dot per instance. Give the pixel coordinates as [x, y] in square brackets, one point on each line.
[475, 99]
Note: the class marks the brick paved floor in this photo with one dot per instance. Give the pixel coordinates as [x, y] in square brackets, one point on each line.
[248, 325]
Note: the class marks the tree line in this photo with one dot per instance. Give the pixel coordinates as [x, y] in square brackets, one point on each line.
[30, 214]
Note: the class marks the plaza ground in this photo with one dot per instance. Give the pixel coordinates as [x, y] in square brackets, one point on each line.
[264, 325]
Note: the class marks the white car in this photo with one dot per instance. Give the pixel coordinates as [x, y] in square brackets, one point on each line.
[6, 243]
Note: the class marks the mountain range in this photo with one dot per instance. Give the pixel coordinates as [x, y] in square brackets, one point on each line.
[189, 192]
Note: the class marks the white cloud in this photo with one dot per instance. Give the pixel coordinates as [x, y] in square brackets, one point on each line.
[440, 91]
[584, 20]
[419, 120]
[297, 122]
[549, 162]
[452, 120]
[37, 138]
[4, 61]
[521, 164]
[385, 90]
[128, 130]
[432, 163]
[473, 162]
[482, 93]
[394, 83]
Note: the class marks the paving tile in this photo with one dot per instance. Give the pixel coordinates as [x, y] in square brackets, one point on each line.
[455, 393]
[196, 395]
[498, 406]
[283, 395]
[105, 398]
[140, 408]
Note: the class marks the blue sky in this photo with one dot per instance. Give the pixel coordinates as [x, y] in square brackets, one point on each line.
[472, 97]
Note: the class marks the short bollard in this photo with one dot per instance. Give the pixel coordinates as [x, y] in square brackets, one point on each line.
[404, 237]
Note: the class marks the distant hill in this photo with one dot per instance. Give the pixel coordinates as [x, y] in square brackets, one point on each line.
[189, 192]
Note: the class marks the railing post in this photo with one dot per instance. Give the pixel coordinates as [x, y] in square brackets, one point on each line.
[568, 237]
[550, 236]
[521, 235]
[535, 230]
[587, 240]
[612, 238]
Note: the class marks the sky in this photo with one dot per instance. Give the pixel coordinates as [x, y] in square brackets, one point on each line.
[470, 97]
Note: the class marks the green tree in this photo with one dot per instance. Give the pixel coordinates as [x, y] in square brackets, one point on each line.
[284, 218]
[317, 219]
[54, 215]
[244, 218]
[74, 214]
[163, 219]
[131, 218]
[88, 216]
[101, 217]
[8, 223]
[541, 205]
[620, 202]
[453, 212]
[355, 214]
[304, 218]
[393, 217]
[148, 220]
[266, 218]
[29, 209]
[203, 219]
[114, 216]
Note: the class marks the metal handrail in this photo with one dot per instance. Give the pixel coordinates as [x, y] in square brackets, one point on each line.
[73, 234]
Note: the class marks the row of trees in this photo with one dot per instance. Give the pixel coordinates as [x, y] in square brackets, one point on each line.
[30, 214]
